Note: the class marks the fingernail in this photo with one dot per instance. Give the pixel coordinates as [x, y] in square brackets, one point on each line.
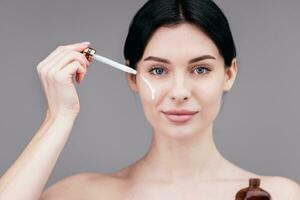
[85, 43]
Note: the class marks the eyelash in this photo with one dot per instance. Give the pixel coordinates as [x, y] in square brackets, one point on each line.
[197, 67]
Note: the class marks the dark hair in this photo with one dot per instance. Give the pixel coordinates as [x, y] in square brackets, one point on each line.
[205, 14]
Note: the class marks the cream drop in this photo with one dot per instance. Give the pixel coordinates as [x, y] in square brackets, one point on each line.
[150, 87]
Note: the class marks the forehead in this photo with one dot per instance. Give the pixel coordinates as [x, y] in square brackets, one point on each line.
[183, 40]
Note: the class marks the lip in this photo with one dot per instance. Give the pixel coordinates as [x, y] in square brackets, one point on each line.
[179, 115]
[180, 112]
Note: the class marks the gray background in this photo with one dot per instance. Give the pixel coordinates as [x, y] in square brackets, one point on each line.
[258, 128]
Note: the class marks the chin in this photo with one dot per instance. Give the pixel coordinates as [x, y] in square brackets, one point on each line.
[180, 131]
[185, 130]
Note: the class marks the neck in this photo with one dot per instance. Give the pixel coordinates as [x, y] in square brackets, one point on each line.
[175, 160]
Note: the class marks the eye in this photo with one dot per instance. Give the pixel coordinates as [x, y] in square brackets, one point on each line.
[199, 70]
[158, 70]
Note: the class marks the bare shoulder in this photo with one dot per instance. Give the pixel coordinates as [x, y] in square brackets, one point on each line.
[282, 188]
[80, 186]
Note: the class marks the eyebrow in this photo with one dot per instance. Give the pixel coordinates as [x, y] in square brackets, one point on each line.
[204, 57]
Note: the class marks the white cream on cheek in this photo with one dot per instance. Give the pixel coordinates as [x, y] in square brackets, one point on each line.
[151, 88]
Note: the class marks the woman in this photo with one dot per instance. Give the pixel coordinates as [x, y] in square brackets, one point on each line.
[186, 61]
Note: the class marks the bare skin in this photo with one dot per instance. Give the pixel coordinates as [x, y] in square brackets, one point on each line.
[221, 188]
[121, 185]
[27, 176]
[130, 183]
[171, 170]
[182, 162]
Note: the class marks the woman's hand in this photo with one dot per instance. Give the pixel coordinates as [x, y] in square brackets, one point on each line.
[56, 74]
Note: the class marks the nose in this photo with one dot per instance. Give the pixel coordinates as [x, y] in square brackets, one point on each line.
[179, 91]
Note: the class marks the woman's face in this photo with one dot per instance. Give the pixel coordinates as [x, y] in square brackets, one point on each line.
[181, 69]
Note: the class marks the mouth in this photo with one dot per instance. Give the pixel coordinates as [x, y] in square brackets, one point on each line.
[179, 116]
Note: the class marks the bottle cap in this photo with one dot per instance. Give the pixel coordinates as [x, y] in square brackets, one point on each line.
[254, 182]
[89, 53]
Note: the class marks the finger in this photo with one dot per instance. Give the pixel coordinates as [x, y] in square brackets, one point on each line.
[61, 61]
[81, 76]
[69, 71]
[65, 58]
[77, 47]
[78, 77]
[43, 73]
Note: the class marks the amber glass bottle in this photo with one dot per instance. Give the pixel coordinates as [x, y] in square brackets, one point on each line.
[253, 192]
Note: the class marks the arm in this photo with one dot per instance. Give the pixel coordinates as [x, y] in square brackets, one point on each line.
[26, 178]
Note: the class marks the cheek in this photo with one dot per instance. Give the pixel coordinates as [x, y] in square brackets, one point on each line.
[209, 97]
[151, 93]
[149, 88]
[148, 95]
